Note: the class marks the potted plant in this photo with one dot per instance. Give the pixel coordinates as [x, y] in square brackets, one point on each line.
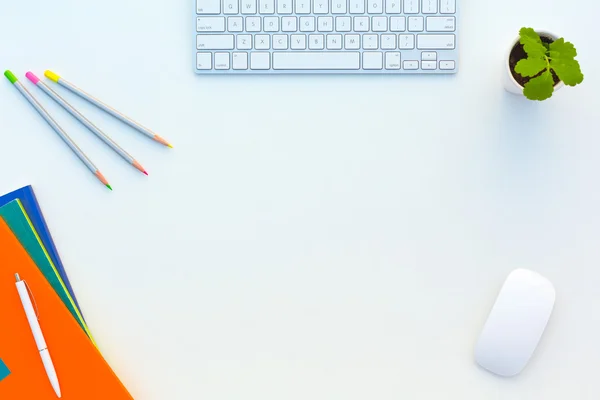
[539, 63]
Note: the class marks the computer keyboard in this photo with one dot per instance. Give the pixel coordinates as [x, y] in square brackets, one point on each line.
[326, 36]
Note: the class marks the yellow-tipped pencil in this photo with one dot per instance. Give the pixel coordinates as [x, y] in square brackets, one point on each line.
[61, 81]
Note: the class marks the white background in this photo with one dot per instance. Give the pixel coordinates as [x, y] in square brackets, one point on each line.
[312, 237]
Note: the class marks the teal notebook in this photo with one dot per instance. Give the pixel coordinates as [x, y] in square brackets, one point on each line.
[4, 371]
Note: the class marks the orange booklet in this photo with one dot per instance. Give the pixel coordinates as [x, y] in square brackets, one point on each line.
[83, 373]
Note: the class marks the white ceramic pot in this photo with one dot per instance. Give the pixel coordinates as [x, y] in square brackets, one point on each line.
[510, 84]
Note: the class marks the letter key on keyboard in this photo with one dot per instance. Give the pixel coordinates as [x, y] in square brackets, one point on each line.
[326, 37]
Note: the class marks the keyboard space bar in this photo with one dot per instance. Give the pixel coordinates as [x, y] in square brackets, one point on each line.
[306, 60]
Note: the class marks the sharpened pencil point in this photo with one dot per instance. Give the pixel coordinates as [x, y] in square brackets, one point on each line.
[108, 186]
[139, 167]
[162, 141]
[170, 146]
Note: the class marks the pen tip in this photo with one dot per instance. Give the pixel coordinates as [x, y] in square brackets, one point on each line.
[108, 186]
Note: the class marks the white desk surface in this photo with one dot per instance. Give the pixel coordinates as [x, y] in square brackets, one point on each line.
[322, 237]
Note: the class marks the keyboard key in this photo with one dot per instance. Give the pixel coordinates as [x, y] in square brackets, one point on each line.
[253, 24]
[415, 24]
[428, 65]
[316, 60]
[406, 42]
[316, 42]
[342, 24]
[240, 60]
[372, 60]
[231, 6]
[338, 6]
[435, 42]
[244, 42]
[392, 60]
[262, 42]
[357, 6]
[204, 61]
[446, 65]
[214, 42]
[411, 64]
[325, 24]
[307, 24]
[221, 60]
[321, 6]
[334, 42]
[370, 42]
[392, 6]
[397, 24]
[379, 24]
[388, 42]
[284, 7]
[248, 6]
[210, 24]
[375, 6]
[429, 56]
[298, 42]
[352, 42]
[429, 6]
[208, 6]
[441, 24]
[411, 6]
[289, 24]
[260, 60]
[303, 6]
[361, 24]
[280, 42]
[271, 24]
[267, 6]
[447, 6]
[234, 24]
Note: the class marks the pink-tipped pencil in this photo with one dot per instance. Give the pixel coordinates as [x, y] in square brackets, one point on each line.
[81, 118]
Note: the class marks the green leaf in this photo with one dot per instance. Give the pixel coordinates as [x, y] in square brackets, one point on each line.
[532, 43]
[540, 88]
[531, 66]
[561, 49]
[562, 61]
[568, 71]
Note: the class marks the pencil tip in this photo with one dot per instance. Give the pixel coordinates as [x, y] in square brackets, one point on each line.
[108, 186]
[139, 167]
[170, 146]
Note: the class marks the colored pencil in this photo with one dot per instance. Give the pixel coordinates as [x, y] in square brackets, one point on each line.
[63, 135]
[61, 81]
[81, 118]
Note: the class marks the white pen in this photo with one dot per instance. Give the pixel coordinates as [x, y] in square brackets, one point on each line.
[32, 317]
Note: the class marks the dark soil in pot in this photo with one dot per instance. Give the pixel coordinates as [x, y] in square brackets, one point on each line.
[517, 54]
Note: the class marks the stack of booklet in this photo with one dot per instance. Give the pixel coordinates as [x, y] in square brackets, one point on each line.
[28, 253]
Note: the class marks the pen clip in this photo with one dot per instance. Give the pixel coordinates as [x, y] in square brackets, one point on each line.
[37, 311]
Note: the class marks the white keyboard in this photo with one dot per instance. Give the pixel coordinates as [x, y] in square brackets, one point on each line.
[326, 36]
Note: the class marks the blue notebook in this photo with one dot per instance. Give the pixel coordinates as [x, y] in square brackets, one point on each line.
[32, 207]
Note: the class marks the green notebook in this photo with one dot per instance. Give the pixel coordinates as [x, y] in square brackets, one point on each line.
[19, 223]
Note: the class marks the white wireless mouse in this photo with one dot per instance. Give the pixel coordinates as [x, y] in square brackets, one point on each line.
[516, 323]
